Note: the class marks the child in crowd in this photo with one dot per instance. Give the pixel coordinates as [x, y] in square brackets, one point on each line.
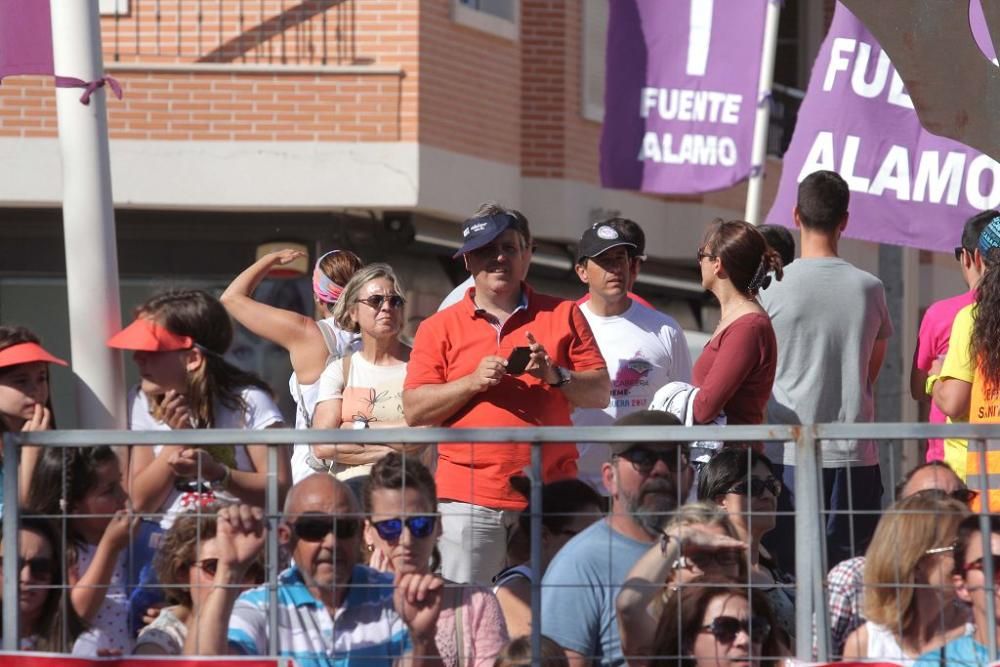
[25, 404]
[311, 344]
[103, 546]
[179, 339]
[517, 653]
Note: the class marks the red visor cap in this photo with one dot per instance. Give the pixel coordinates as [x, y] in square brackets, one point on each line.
[148, 336]
[25, 353]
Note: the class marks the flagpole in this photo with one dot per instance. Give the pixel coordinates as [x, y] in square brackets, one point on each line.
[758, 154]
[88, 217]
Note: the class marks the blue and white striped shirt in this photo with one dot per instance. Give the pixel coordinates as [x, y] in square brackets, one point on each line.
[365, 631]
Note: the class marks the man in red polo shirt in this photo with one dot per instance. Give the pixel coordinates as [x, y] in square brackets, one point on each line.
[458, 376]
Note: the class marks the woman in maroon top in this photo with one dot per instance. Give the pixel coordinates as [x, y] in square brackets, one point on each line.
[736, 369]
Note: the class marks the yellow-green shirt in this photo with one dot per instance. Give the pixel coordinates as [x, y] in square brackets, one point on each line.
[959, 365]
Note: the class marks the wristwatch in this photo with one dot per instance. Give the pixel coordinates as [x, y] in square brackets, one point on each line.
[563, 374]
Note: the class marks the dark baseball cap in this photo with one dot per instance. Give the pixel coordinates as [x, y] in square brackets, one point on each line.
[477, 232]
[599, 238]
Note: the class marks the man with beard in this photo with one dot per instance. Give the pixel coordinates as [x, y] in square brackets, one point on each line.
[647, 481]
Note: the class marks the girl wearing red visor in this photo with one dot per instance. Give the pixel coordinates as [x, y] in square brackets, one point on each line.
[311, 344]
[178, 341]
[24, 392]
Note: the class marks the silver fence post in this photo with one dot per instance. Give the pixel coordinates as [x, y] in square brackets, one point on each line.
[808, 545]
[11, 520]
[536, 552]
[272, 548]
[987, 535]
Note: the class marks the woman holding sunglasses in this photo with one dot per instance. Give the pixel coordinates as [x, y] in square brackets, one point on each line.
[909, 593]
[700, 541]
[364, 389]
[973, 588]
[185, 565]
[400, 500]
[46, 621]
[742, 483]
[716, 622]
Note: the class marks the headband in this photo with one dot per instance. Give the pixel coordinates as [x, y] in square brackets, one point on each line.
[325, 289]
[25, 353]
[990, 238]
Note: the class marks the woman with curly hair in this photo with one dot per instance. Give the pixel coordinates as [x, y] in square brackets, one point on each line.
[967, 385]
[735, 371]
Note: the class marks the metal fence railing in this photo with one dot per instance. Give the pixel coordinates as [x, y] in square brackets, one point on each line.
[810, 567]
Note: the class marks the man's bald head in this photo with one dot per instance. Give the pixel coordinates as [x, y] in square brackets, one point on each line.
[321, 493]
[934, 475]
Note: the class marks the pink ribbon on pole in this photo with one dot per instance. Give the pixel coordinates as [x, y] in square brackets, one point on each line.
[89, 86]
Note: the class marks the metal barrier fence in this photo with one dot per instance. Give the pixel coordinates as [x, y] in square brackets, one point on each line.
[810, 568]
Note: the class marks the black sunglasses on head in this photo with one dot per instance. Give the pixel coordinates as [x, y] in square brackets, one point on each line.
[725, 629]
[756, 487]
[964, 496]
[643, 460]
[958, 253]
[391, 530]
[315, 527]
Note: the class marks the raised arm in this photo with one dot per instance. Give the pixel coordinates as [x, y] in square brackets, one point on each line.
[89, 589]
[298, 334]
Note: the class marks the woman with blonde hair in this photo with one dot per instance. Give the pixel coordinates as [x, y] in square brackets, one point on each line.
[909, 597]
[364, 389]
[699, 541]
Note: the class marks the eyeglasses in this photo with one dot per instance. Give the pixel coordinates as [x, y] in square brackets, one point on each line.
[756, 487]
[958, 253]
[725, 629]
[390, 530]
[702, 255]
[376, 300]
[643, 460]
[939, 550]
[315, 528]
[38, 568]
[210, 566]
[978, 565]
[964, 496]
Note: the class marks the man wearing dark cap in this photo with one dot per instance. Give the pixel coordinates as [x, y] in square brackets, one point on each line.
[647, 482]
[643, 348]
[464, 372]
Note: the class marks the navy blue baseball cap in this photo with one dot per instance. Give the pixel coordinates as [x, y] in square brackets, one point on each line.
[477, 232]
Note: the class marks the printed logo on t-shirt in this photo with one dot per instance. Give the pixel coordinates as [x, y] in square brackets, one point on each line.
[631, 373]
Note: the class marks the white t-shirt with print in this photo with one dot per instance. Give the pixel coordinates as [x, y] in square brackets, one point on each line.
[371, 393]
[261, 413]
[644, 350]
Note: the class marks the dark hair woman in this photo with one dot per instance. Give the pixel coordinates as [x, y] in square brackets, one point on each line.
[735, 371]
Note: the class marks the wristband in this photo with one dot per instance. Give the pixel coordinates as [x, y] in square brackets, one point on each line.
[929, 384]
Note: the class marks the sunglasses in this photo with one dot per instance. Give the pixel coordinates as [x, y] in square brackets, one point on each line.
[964, 496]
[210, 566]
[706, 560]
[376, 300]
[725, 629]
[958, 253]
[316, 528]
[978, 565]
[643, 460]
[38, 568]
[703, 255]
[756, 487]
[390, 530]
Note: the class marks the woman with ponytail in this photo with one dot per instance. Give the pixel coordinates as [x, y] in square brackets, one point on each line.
[311, 343]
[735, 371]
[178, 341]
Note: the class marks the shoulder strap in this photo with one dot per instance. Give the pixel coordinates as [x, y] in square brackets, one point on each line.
[301, 405]
[460, 645]
[346, 366]
[329, 335]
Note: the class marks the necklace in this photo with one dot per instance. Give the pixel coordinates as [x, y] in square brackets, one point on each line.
[738, 309]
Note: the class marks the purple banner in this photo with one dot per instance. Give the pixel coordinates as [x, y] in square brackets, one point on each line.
[908, 186]
[25, 37]
[681, 93]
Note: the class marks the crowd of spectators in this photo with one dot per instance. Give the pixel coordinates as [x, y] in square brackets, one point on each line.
[652, 553]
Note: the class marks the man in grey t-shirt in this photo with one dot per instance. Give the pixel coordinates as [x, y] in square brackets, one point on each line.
[832, 327]
[647, 482]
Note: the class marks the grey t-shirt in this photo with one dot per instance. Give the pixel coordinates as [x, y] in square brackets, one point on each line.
[827, 316]
[579, 591]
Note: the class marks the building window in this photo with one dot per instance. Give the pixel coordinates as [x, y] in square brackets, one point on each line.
[113, 7]
[595, 42]
[497, 17]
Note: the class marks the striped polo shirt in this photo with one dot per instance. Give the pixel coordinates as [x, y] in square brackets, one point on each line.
[365, 630]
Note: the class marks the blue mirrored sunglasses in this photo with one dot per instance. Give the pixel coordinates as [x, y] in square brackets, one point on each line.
[420, 526]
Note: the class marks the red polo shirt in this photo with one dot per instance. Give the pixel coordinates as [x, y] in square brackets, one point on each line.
[450, 345]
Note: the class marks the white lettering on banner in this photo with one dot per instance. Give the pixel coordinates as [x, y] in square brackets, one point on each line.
[698, 149]
[934, 183]
[884, 72]
[691, 105]
[699, 37]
